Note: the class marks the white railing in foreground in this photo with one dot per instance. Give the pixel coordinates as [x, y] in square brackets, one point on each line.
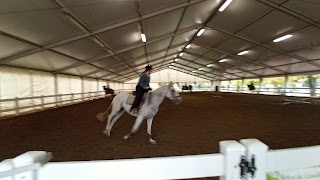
[247, 159]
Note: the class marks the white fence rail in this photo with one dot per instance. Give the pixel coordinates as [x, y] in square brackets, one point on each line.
[36, 103]
[303, 92]
[247, 159]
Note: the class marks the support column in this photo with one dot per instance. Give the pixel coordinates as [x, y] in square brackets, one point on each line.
[312, 84]
[286, 81]
[82, 89]
[260, 82]
[56, 90]
[242, 83]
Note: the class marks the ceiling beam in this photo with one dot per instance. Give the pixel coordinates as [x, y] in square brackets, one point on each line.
[242, 58]
[177, 28]
[68, 13]
[217, 69]
[214, 12]
[126, 49]
[139, 58]
[267, 47]
[137, 70]
[142, 27]
[290, 12]
[98, 31]
[209, 59]
[153, 71]
[187, 72]
[203, 76]
[183, 65]
[106, 47]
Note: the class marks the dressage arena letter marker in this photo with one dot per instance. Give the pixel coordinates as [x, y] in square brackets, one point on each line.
[232, 150]
[255, 159]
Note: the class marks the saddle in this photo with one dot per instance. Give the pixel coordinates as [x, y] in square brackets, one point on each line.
[131, 98]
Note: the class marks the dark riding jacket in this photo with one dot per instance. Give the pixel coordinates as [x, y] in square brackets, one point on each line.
[144, 81]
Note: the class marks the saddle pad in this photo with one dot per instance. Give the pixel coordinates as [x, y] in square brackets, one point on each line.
[130, 99]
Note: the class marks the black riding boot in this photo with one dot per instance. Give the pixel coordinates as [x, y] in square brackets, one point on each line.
[137, 100]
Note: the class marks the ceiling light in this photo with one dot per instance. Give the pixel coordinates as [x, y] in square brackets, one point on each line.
[200, 69]
[143, 38]
[282, 38]
[222, 60]
[200, 32]
[181, 54]
[225, 5]
[188, 46]
[194, 71]
[176, 59]
[242, 53]
[172, 64]
[209, 65]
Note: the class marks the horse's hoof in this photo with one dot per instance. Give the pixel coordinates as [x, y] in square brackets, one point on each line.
[125, 137]
[152, 141]
[99, 117]
[107, 133]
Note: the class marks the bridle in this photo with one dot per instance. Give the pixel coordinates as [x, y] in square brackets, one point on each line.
[174, 97]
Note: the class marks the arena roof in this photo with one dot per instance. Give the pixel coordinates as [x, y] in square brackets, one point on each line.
[102, 38]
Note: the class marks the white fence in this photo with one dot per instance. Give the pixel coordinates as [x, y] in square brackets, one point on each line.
[302, 92]
[22, 105]
[248, 159]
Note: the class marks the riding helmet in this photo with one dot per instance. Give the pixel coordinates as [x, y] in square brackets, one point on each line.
[148, 67]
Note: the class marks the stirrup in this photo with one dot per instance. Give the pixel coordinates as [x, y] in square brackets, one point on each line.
[134, 111]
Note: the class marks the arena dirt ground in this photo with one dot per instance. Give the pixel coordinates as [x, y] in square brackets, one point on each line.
[72, 133]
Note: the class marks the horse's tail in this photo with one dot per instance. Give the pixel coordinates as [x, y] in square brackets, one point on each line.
[104, 115]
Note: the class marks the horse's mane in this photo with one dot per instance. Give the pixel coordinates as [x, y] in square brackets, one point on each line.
[161, 89]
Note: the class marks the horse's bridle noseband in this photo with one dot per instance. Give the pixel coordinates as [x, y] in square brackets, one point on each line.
[174, 98]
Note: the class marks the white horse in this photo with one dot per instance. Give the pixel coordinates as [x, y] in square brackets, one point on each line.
[148, 110]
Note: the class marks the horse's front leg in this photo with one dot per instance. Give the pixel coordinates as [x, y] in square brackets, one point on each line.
[134, 128]
[149, 126]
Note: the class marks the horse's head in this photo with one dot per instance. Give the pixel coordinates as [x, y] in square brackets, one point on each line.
[173, 95]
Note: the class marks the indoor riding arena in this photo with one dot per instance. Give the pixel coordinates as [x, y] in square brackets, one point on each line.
[196, 126]
[229, 89]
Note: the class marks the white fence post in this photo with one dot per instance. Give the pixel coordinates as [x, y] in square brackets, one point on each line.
[233, 151]
[60, 96]
[255, 159]
[17, 105]
[24, 166]
[42, 102]
[6, 165]
[72, 96]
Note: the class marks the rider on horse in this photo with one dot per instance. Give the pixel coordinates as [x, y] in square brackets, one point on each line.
[141, 88]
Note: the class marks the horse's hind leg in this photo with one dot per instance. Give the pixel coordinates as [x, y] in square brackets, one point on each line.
[116, 108]
[114, 120]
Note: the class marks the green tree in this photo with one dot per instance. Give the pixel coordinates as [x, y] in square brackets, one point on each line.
[293, 80]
